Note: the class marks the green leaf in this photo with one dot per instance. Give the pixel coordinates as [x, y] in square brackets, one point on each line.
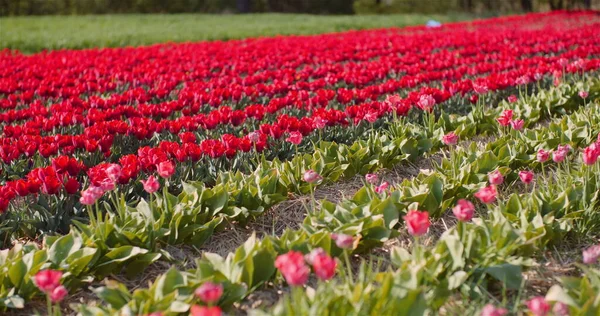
[508, 274]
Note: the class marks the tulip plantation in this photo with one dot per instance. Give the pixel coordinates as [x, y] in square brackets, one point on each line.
[114, 161]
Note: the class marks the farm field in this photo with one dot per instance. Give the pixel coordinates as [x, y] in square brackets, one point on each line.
[34, 34]
[398, 171]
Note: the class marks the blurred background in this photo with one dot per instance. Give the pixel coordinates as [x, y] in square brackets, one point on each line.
[70, 7]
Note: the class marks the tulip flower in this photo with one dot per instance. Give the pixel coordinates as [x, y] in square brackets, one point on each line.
[526, 176]
[560, 309]
[538, 306]
[380, 189]
[58, 294]
[165, 169]
[487, 195]
[323, 265]
[48, 280]
[205, 311]
[151, 184]
[292, 267]
[450, 139]
[517, 125]
[591, 254]
[464, 210]
[542, 156]
[372, 178]
[491, 310]
[417, 222]
[294, 138]
[209, 292]
[495, 177]
[311, 176]
[343, 241]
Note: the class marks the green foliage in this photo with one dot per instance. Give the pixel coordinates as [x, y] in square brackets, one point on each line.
[33, 34]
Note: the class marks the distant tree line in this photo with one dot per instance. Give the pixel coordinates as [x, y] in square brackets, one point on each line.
[39, 7]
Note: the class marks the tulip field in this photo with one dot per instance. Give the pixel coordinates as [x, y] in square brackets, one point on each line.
[466, 155]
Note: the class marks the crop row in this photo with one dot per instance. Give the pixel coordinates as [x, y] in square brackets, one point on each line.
[129, 235]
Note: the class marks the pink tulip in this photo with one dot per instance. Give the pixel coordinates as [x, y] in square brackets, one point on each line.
[209, 292]
[464, 210]
[512, 98]
[526, 176]
[205, 311]
[113, 171]
[380, 189]
[542, 156]
[450, 139]
[487, 195]
[323, 265]
[561, 153]
[311, 176]
[517, 125]
[561, 309]
[505, 118]
[151, 184]
[591, 254]
[165, 169]
[426, 102]
[372, 178]
[583, 94]
[294, 138]
[343, 241]
[538, 306]
[495, 177]
[480, 88]
[590, 154]
[319, 122]
[58, 294]
[417, 222]
[491, 310]
[254, 136]
[292, 267]
[48, 280]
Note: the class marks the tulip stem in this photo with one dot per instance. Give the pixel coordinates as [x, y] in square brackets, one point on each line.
[349, 266]
[49, 305]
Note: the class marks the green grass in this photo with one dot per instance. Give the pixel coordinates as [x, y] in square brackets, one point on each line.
[33, 34]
